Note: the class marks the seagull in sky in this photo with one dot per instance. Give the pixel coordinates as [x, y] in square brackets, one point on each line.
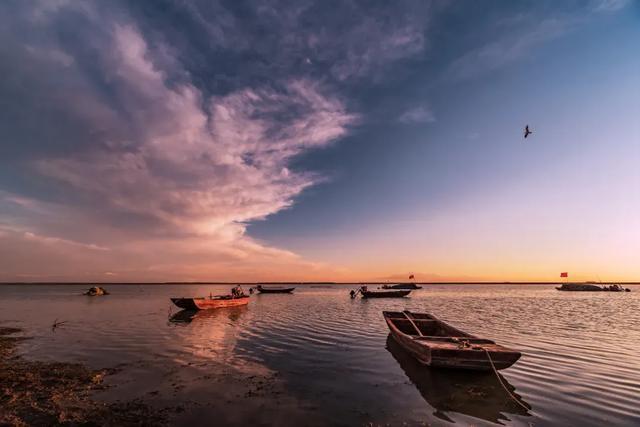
[527, 132]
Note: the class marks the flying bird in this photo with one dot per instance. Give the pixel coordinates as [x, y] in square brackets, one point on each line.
[527, 132]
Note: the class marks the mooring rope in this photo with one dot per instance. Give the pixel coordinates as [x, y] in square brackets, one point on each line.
[495, 371]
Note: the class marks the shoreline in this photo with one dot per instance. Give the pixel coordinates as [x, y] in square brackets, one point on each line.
[59, 393]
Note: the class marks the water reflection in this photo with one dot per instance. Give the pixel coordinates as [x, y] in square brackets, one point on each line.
[184, 317]
[478, 394]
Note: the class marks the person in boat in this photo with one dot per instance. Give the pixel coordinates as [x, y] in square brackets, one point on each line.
[237, 291]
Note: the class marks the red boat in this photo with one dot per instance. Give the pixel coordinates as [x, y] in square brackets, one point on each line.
[203, 303]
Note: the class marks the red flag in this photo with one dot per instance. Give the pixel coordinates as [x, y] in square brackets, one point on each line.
[565, 274]
[411, 276]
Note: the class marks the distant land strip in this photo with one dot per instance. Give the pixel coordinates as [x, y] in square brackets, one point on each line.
[309, 283]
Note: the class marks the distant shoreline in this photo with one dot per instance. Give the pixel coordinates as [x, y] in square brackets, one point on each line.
[305, 283]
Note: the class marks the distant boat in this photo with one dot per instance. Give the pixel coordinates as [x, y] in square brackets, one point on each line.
[204, 303]
[274, 290]
[96, 291]
[435, 343]
[384, 294]
[402, 286]
[590, 287]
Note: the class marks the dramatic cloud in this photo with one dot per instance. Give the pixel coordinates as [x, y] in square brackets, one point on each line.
[199, 165]
[140, 162]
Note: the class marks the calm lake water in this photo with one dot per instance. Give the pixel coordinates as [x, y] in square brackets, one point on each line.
[319, 358]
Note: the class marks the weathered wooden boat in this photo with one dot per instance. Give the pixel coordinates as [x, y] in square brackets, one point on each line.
[590, 287]
[274, 290]
[451, 391]
[204, 303]
[384, 294]
[402, 286]
[435, 343]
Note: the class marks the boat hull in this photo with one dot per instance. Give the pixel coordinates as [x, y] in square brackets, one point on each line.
[385, 294]
[209, 303]
[589, 287]
[411, 286]
[449, 352]
[275, 291]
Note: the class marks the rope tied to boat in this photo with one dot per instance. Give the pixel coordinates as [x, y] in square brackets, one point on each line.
[495, 371]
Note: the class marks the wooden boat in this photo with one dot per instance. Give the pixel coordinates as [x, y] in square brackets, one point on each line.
[384, 294]
[435, 343]
[274, 290]
[402, 286]
[203, 303]
[450, 391]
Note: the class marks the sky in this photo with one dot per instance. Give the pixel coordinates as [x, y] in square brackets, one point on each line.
[193, 140]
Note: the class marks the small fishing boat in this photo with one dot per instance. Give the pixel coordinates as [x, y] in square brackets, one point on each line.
[444, 389]
[234, 299]
[402, 286]
[274, 290]
[384, 294]
[590, 287]
[435, 343]
[96, 291]
[204, 303]
[366, 293]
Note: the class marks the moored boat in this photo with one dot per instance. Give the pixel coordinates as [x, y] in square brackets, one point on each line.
[204, 303]
[274, 290]
[234, 299]
[590, 287]
[402, 286]
[442, 389]
[436, 343]
[366, 293]
[385, 294]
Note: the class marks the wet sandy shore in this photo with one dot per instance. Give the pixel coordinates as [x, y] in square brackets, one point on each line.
[58, 393]
[46, 393]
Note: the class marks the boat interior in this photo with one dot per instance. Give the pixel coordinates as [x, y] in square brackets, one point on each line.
[432, 329]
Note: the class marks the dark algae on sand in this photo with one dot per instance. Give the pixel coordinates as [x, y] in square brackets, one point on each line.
[53, 393]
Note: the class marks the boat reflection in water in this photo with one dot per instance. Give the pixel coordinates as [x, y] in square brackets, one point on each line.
[187, 316]
[474, 393]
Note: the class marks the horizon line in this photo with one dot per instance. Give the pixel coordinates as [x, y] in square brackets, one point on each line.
[320, 283]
